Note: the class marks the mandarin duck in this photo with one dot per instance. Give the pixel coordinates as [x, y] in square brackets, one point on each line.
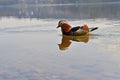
[74, 31]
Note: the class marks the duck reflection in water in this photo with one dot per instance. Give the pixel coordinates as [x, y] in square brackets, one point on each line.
[67, 40]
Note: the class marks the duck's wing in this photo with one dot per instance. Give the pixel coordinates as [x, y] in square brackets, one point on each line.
[76, 31]
[75, 28]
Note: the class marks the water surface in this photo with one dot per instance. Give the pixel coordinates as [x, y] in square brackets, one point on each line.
[29, 47]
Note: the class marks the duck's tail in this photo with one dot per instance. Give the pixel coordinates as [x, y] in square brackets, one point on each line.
[85, 27]
[92, 29]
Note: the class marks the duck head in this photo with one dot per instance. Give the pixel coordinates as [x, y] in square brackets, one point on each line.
[65, 27]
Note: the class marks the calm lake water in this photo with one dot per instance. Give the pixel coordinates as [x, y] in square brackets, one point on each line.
[31, 47]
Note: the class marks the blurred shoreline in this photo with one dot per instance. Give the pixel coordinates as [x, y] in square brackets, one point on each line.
[109, 10]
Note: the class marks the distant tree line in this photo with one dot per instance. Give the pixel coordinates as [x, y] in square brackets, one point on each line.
[11, 2]
[83, 1]
[8, 2]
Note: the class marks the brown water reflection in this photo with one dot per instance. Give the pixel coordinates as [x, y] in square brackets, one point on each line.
[67, 40]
